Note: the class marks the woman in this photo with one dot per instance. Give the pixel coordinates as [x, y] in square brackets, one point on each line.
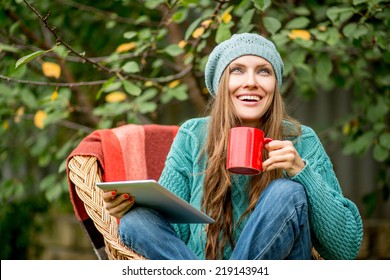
[264, 216]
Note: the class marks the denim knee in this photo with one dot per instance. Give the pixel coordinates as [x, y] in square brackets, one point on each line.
[136, 225]
[283, 190]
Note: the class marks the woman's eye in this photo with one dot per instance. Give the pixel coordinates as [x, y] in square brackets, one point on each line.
[236, 69]
[264, 71]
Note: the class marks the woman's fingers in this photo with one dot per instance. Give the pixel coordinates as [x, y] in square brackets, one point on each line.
[108, 195]
[117, 205]
[283, 155]
[121, 209]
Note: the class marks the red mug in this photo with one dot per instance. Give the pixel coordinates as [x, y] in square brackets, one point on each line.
[245, 150]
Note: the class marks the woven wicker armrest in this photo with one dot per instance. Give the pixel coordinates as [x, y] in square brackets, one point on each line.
[84, 172]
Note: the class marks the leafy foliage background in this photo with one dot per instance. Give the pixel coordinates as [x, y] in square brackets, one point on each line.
[70, 67]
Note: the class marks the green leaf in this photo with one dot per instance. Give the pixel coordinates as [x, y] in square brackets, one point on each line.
[358, 2]
[324, 66]
[188, 2]
[31, 56]
[272, 24]
[5, 91]
[8, 48]
[129, 35]
[338, 15]
[298, 23]
[333, 36]
[360, 31]
[104, 86]
[147, 107]
[27, 58]
[112, 86]
[180, 16]
[166, 97]
[349, 29]
[223, 33]
[152, 4]
[173, 50]
[377, 112]
[180, 92]
[131, 67]
[301, 11]
[361, 144]
[191, 28]
[380, 153]
[50, 185]
[384, 140]
[28, 98]
[131, 88]
[147, 95]
[246, 18]
[261, 5]
[61, 51]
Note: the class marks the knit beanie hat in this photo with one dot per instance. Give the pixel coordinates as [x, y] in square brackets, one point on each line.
[240, 45]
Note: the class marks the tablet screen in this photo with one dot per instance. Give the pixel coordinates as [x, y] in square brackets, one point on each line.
[151, 194]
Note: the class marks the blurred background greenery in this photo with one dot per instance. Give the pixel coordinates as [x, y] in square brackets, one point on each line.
[70, 67]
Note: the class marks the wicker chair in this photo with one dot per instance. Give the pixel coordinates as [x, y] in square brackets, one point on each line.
[85, 172]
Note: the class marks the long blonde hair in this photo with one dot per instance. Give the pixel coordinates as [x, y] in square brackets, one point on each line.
[217, 200]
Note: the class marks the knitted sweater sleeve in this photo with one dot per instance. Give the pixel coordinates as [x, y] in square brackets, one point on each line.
[335, 221]
[176, 175]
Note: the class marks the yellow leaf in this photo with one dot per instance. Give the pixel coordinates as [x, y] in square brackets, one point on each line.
[198, 32]
[51, 69]
[125, 47]
[322, 28]
[19, 114]
[346, 129]
[39, 118]
[226, 17]
[174, 84]
[149, 83]
[54, 96]
[115, 96]
[182, 44]
[299, 33]
[5, 125]
[206, 23]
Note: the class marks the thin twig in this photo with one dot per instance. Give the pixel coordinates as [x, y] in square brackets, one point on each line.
[37, 83]
[65, 123]
[165, 79]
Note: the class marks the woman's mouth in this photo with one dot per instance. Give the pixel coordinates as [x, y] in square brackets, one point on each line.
[249, 98]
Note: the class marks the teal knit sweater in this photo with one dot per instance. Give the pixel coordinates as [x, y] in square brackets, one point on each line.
[335, 221]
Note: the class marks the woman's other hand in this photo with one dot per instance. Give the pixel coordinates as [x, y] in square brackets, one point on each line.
[117, 205]
[283, 155]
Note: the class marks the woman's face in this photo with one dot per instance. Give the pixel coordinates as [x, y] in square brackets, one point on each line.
[252, 85]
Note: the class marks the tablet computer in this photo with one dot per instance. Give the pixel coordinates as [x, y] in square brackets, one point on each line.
[151, 194]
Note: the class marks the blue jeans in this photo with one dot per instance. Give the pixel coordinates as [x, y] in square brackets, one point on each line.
[277, 229]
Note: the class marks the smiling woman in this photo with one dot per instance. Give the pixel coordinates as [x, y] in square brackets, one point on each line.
[264, 216]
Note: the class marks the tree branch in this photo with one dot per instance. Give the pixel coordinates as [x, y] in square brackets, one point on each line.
[61, 42]
[37, 83]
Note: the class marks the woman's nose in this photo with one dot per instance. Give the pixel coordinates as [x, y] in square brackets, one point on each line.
[250, 80]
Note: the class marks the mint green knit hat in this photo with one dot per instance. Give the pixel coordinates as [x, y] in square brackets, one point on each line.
[239, 45]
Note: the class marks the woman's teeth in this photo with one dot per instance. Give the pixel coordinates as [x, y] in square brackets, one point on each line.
[249, 98]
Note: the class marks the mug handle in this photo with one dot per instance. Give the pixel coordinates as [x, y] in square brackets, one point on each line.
[267, 140]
